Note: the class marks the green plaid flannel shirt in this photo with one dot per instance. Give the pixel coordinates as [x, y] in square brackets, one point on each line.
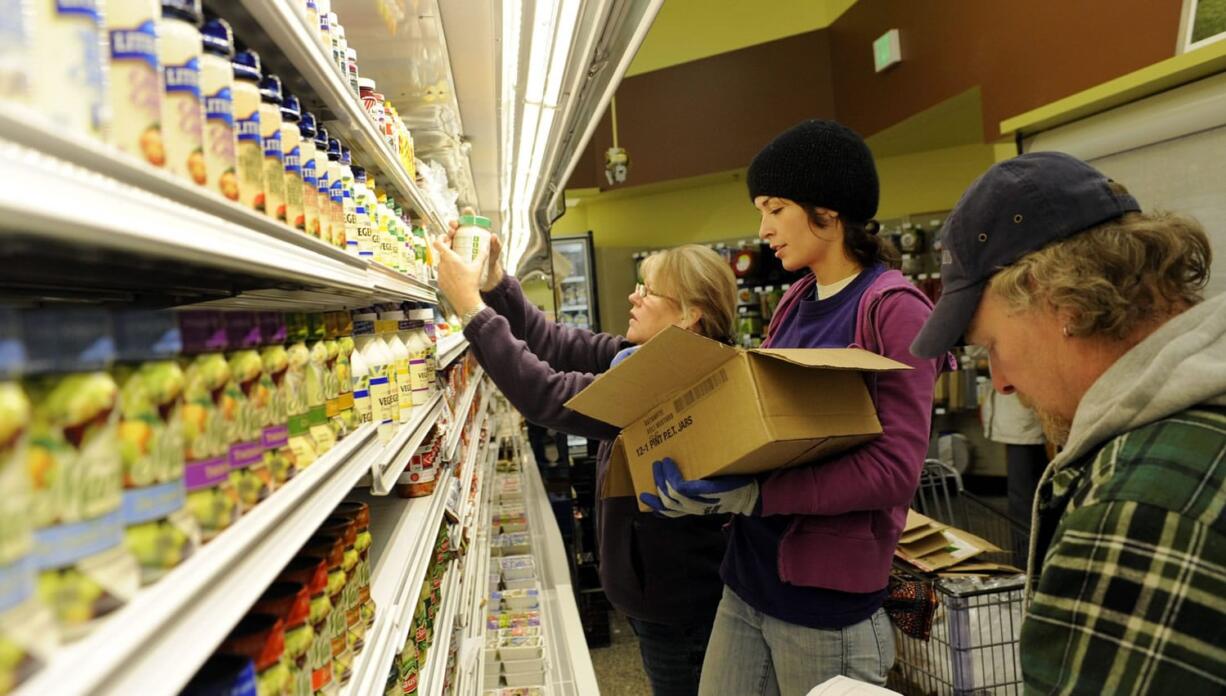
[1132, 593]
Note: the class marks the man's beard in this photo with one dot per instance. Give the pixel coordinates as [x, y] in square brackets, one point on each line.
[1055, 428]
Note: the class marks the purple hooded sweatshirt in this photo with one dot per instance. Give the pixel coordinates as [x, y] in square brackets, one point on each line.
[652, 568]
[848, 511]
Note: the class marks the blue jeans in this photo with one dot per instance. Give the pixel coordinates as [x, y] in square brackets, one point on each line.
[752, 654]
[672, 655]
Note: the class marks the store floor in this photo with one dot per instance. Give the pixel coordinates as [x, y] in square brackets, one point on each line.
[619, 668]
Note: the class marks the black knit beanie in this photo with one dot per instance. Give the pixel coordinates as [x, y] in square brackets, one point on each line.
[819, 163]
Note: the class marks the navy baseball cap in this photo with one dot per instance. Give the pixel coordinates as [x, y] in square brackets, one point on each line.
[1017, 207]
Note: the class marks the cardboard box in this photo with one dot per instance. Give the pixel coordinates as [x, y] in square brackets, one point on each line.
[718, 410]
[934, 547]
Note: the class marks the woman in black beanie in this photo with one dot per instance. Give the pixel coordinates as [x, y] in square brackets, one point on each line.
[809, 556]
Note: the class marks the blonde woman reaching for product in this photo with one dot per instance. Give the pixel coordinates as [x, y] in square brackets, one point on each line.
[662, 573]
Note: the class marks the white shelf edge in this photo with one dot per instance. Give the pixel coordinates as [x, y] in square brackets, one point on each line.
[395, 456]
[124, 204]
[452, 443]
[156, 642]
[396, 285]
[286, 28]
[451, 348]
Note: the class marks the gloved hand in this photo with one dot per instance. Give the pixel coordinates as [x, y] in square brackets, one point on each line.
[713, 496]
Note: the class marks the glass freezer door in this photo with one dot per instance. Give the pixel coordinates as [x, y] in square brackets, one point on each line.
[576, 280]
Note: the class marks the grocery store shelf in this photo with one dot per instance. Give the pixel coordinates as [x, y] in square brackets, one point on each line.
[394, 285]
[395, 456]
[76, 213]
[451, 348]
[279, 22]
[452, 443]
[433, 673]
[158, 640]
[575, 308]
[471, 466]
[403, 532]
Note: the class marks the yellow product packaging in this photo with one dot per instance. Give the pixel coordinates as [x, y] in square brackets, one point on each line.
[158, 529]
[301, 441]
[245, 404]
[76, 474]
[279, 457]
[211, 497]
[27, 635]
[318, 376]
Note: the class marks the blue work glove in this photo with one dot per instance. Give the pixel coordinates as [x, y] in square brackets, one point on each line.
[721, 494]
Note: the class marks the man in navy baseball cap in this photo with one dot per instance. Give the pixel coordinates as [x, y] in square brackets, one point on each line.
[1093, 313]
[1017, 207]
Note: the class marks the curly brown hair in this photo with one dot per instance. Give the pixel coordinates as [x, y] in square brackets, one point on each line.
[1116, 276]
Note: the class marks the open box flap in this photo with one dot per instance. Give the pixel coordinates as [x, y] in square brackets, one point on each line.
[671, 361]
[833, 358]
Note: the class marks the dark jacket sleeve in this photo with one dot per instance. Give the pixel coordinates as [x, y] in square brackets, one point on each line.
[532, 386]
[565, 348]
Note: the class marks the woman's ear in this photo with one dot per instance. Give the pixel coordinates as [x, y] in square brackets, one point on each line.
[692, 316]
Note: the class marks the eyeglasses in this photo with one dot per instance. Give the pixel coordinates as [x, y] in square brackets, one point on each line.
[644, 292]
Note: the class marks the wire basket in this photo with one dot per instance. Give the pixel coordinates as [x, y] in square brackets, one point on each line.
[975, 634]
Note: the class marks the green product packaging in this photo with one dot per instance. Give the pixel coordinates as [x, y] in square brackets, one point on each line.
[211, 497]
[301, 441]
[279, 457]
[312, 571]
[332, 548]
[75, 470]
[291, 601]
[158, 528]
[317, 375]
[27, 635]
[245, 406]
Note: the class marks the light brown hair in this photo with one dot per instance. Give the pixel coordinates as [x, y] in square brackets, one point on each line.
[696, 278]
[1116, 276]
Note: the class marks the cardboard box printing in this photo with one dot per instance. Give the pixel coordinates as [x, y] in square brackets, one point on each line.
[719, 410]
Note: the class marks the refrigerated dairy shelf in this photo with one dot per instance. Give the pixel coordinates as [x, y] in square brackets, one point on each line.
[403, 531]
[281, 25]
[396, 455]
[450, 348]
[469, 474]
[62, 188]
[156, 642]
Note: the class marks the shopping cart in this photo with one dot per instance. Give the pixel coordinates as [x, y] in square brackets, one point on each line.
[975, 633]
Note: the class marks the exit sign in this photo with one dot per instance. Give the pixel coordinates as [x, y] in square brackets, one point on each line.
[886, 50]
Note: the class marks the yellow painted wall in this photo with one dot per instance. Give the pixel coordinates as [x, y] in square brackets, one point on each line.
[687, 30]
[540, 294]
[911, 183]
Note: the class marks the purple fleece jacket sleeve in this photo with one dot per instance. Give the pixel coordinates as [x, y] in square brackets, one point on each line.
[884, 472]
[529, 383]
[564, 348]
